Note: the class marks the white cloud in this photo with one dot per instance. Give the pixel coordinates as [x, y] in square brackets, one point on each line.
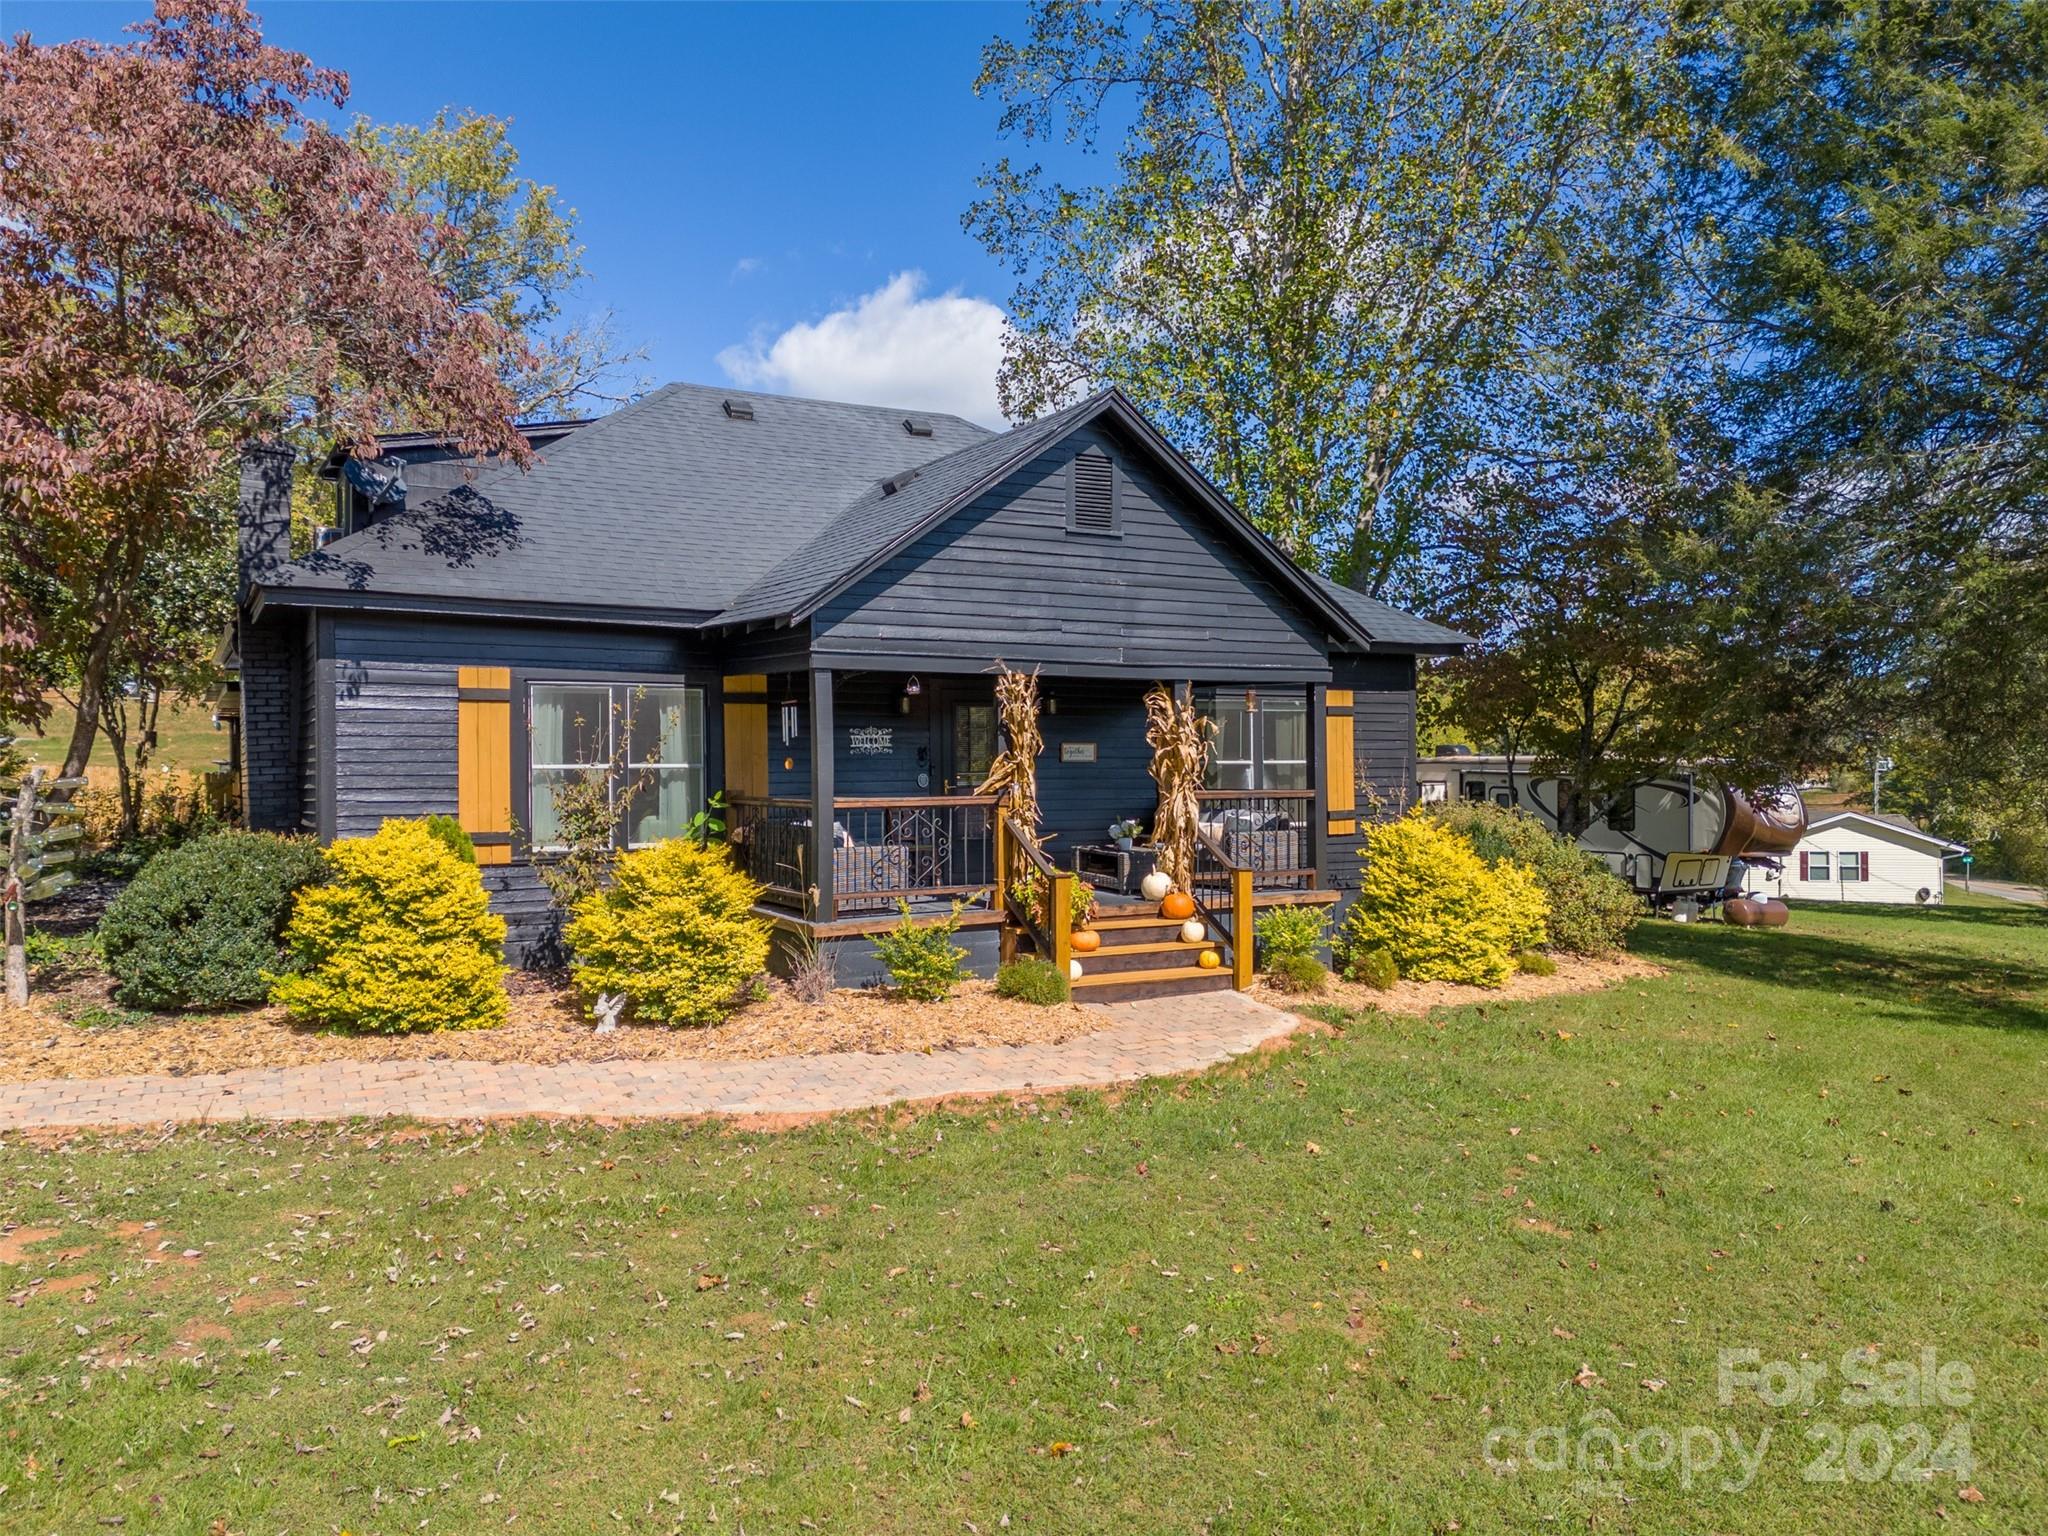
[891, 347]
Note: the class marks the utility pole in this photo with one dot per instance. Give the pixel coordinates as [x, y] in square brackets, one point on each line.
[1879, 768]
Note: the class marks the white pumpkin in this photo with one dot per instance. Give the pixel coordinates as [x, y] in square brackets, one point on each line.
[1073, 970]
[1155, 886]
[1193, 931]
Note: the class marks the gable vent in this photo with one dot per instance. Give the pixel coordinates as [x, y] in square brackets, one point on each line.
[740, 410]
[917, 428]
[1092, 502]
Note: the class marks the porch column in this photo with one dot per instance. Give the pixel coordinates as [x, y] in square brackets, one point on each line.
[821, 794]
[1319, 809]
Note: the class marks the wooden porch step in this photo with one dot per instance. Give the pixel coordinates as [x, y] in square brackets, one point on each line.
[1156, 973]
[1150, 920]
[1124, 958]
[1131, 986]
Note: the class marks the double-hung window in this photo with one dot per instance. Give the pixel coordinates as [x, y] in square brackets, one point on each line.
[646, 739]
[1818, 865]
[1261, 741]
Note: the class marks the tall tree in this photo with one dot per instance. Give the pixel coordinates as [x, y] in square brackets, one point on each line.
[1872, 177]
[189, 259]
[1328, 224]
[515, 258]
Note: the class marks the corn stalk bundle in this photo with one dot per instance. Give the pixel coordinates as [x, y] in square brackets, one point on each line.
[1015, 768]
[1179, 739]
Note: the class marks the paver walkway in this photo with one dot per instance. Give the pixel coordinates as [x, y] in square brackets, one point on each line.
[1149, 1039]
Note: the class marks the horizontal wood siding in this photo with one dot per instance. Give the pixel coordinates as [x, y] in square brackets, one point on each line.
[395, 743]
[533, 928]
[1078, 801]
[1171, 594]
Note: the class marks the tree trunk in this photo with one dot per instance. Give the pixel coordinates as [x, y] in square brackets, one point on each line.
[123, 571]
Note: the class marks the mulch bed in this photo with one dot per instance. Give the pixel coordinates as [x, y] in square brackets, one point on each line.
[1415, 998]
[546, 1027]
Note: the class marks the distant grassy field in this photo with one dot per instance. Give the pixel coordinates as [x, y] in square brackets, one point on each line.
[1402, 1280]
[186, 738]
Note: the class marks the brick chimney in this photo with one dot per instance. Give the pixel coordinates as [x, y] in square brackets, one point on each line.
[263, 514]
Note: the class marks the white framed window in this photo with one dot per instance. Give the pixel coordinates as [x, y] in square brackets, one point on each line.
[648, 739]
[1261, 740]
[1852, 866]
[1431, 791]
[1819, 865]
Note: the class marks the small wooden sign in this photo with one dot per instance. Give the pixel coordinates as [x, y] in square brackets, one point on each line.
[1077, 751]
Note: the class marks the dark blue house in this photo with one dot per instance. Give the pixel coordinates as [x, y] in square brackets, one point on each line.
[801, 604]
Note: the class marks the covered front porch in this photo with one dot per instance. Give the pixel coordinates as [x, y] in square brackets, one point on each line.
[890, 812]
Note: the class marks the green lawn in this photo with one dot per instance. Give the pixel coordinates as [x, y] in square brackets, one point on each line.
[1307, 1296]
[186, 738]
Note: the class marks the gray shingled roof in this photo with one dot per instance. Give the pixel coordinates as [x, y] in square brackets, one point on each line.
[1388, 625]
[666, 504]
[672, 506]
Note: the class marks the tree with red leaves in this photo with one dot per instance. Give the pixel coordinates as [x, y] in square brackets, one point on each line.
[189, 259]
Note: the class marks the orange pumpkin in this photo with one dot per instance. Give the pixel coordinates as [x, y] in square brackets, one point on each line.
[1178, 905]
[1210, 960]
[1085, 941]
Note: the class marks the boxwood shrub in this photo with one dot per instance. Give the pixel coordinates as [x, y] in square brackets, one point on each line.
[202, 925]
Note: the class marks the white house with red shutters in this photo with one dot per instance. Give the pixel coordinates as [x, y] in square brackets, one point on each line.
[1858, 856]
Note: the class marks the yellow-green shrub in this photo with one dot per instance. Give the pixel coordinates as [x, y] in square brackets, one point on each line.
[675, 932]
[403, 939]
[1440, 910]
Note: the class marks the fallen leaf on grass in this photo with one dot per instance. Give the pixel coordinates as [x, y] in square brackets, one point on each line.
[1587, 1378]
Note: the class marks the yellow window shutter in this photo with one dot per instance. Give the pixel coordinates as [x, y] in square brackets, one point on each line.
[1340, 785]
[746, 734]
[483, 796]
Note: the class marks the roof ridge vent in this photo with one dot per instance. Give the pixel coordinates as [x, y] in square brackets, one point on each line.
[740, 410]
[917, 426]
[896, 482]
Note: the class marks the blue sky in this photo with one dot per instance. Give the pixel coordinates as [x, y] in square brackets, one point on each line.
[759, 187]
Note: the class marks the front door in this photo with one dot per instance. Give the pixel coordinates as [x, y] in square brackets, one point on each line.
[967, 743]
[965, 728]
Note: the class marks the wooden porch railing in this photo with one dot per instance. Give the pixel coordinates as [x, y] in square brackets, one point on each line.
[1222, 890]
[1268, 831]
[1015, 853]
[885, 849]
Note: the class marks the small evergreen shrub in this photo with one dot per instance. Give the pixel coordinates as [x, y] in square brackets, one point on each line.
[1302, 975]
[1284, 932]
[1439, 909]
[1373, 968]
[402, 939]
[675, 932]
[922, 959]
[1032, 980]
[1533, 962]
[202, 926]
[449, 830]
[1591, 908]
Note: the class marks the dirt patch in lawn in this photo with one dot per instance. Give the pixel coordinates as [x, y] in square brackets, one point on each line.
[1415, 998]
[546, 1027]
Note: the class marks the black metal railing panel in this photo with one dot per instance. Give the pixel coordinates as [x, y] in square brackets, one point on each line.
[1265, 830]
[906, 848]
